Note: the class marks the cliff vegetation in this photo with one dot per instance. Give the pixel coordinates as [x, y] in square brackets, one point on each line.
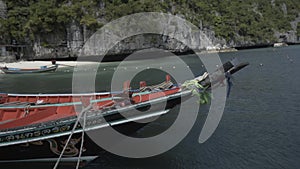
[239, 22]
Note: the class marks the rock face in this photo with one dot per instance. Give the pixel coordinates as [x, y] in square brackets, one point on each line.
[290, 36]
[175, 36]
[172, 37]
[59, 44]
[2, 9]
[75, 39]
[69, 43]
[143, 31]
[2, 16]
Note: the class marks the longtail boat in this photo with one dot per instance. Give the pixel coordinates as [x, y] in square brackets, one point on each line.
[26, 129]
[42, 69]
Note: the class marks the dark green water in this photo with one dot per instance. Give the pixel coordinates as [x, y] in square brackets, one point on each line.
[259, 128]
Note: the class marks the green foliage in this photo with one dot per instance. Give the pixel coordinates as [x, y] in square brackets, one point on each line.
[28, 18]
[298, 29]
[198, 90]
[254, 20]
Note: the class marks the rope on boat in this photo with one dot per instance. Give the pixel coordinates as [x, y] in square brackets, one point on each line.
[71, 134]
[26, 110]
[82, 141]
[163, 85]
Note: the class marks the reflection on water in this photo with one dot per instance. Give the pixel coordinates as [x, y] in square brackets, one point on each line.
[259, 129]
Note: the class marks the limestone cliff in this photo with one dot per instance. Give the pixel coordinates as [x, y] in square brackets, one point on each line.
[71, 37]
[2, 9]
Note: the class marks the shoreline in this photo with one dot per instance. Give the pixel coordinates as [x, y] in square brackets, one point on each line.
[73, 61]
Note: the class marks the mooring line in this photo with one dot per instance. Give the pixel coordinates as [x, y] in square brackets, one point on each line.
[71, 134]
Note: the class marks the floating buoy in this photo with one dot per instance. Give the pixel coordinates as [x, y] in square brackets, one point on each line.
[174, 67]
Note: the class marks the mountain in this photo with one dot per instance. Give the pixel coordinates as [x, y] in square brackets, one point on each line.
[52, 28]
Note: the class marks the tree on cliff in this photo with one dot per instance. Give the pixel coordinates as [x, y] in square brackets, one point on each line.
[250, 20]
[298, 30]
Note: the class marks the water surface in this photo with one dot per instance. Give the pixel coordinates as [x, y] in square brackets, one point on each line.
[259, 129]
